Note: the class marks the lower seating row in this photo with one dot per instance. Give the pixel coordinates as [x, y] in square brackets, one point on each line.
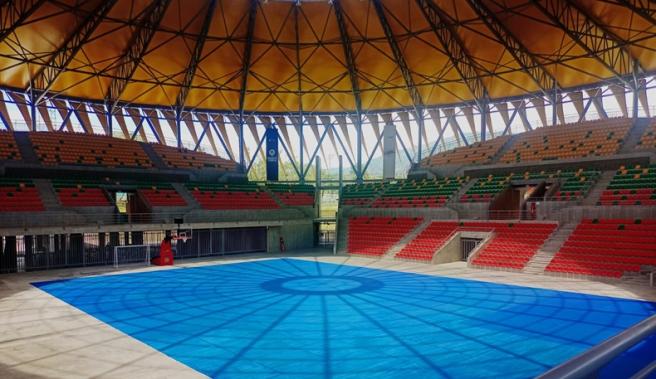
[512, 244]
[232, 196]
[293, 194]
[374, 236]
[19, 196]
[607, 248]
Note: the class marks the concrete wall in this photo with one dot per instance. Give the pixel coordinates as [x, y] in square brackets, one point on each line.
[450, 252]
[296, 236]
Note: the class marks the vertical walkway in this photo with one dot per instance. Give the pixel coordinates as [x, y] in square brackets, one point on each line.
[25, 147]
[633, 136]
[407, 239]
[545, 254]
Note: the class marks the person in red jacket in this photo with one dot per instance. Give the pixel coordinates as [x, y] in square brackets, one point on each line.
[165, 253]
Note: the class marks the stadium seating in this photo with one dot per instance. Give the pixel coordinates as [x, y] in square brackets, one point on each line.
[184, 158]
[648, 139]
[17, 195]
[607, 248]
[293, 194]
[376, 235]
[575, 184]
[80, 193]
[634, 186]
[513, 245]
[8, 148]
[418, 194]
[55, 148]
[478, 153]
[231, 196]
[161, 195]
[585, 139]
[360, 194]
[428, 241]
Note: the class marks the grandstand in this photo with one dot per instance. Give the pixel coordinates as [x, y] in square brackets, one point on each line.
[327, 188]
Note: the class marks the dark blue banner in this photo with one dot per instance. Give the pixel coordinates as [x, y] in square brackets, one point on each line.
[272, 154]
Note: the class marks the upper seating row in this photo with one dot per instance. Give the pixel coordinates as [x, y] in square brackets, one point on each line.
[8, 149]
[62, 148]
[477, 153]
[577, 140]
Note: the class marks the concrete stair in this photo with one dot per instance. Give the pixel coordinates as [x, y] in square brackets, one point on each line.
[598, 188]
[25, 147]
[503, 149]
[153, 156]
[633, 136]
[406, 239]
[48, 196]
[186, 195]
[455, 198]
[545, 254]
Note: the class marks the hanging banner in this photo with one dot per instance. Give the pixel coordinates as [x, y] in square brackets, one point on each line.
[272, 154]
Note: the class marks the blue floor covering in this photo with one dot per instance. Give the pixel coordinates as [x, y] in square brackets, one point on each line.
[295, 318]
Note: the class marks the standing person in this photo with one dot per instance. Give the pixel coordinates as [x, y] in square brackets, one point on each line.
[282, 245]
[165, 253]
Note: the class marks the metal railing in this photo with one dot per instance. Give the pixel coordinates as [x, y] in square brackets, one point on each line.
[588, 364]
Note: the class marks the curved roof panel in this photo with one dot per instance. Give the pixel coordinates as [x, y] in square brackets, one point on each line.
[290, 56]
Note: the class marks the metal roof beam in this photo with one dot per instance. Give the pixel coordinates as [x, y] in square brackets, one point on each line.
[454, 47]
[60, 59]
[417, 101]
[245, 69]
[136, 49]
[602, 45]
[195, 56]
[14, 13]
[246, 58]
[645, 8]
[544, 80]
[348, 55]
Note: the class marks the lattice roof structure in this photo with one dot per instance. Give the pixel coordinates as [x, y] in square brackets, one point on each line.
[320, 56]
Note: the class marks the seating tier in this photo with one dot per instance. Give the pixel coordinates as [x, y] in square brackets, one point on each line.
[216, 196]
[184, 158]
[418, 194]
[634, 186]
[575, 184]
[423, 247]
[17, 195]
[607, 248]
[374, 236]
[161, 196]
[8, 148]
[478, 153]
[80, 194]
[513, 245]
[293, 194]
[648, 139]
[579, 140]
[56, 148]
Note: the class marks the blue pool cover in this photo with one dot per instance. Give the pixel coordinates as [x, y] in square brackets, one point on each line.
[296, 318]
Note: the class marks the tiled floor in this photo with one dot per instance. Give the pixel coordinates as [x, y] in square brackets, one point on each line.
[43, 337]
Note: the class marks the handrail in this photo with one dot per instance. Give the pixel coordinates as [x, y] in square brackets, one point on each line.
[591, 361]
